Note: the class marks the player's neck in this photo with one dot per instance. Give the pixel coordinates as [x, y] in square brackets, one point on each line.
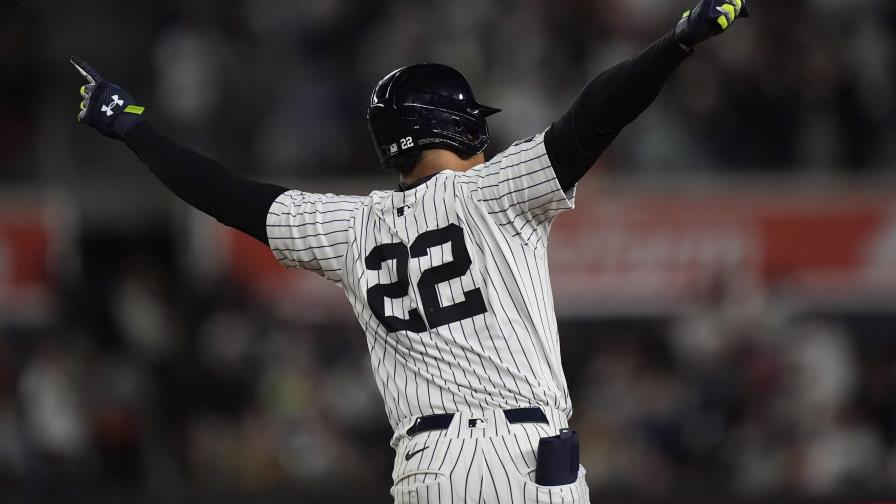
[438, 160]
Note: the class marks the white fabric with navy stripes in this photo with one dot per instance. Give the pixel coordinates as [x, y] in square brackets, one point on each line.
[450, 283]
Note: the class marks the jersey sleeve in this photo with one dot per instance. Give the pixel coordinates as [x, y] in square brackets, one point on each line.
[311, 231]
[519, 189]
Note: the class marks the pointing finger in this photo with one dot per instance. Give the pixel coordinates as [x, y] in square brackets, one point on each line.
[86, 70]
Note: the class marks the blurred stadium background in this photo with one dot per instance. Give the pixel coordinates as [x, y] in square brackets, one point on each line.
[726, 290]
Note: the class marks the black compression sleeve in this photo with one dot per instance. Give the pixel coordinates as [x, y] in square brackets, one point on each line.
[204, 183]
[608, 103]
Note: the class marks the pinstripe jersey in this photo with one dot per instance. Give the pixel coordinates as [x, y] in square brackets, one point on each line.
[449, 280]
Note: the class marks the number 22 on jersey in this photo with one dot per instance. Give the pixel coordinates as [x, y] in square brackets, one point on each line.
[436, 314]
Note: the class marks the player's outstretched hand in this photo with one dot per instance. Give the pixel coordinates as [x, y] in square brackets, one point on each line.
[105, 106]
[708, 19]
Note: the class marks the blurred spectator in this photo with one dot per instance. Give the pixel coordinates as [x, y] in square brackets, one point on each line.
[52, 405]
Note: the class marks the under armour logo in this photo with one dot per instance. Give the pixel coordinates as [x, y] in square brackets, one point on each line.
[108, 108]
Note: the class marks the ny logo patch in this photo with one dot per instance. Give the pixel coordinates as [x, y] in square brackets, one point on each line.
[108, 108]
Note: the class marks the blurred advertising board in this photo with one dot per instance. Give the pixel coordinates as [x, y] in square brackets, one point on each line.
[641, 251]
[644, 249]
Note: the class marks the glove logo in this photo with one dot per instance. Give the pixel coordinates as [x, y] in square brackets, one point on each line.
[108, 108]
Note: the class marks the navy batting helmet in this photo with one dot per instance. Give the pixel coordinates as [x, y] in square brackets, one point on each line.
[427, 106]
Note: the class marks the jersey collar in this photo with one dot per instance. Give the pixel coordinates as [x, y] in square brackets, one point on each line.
[417, 183]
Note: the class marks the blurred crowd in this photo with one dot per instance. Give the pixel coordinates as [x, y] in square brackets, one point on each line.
[742, 396]
[149, 386]
[152, 386]
[146, 382]
[281, 88]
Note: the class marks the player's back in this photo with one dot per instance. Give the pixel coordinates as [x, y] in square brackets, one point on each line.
[449, 280]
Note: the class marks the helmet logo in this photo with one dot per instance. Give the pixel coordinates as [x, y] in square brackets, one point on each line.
[406, 143]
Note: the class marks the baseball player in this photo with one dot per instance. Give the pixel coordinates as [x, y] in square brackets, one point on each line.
[447, 274]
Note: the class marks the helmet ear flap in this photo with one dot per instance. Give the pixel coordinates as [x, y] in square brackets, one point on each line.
[464, 131]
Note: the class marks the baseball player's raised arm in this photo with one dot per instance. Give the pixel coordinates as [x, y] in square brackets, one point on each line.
[611, 101]
[616, 97]
[203, 183]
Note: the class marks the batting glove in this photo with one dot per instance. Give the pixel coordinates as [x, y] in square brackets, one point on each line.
[105, 106]
[708, 19]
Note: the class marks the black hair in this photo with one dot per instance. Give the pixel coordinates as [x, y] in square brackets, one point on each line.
[404, 163]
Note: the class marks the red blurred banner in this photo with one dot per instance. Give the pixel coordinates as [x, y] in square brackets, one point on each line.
[31, 245]
[650, 247]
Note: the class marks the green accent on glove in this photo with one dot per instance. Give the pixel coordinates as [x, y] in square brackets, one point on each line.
[703, 21]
